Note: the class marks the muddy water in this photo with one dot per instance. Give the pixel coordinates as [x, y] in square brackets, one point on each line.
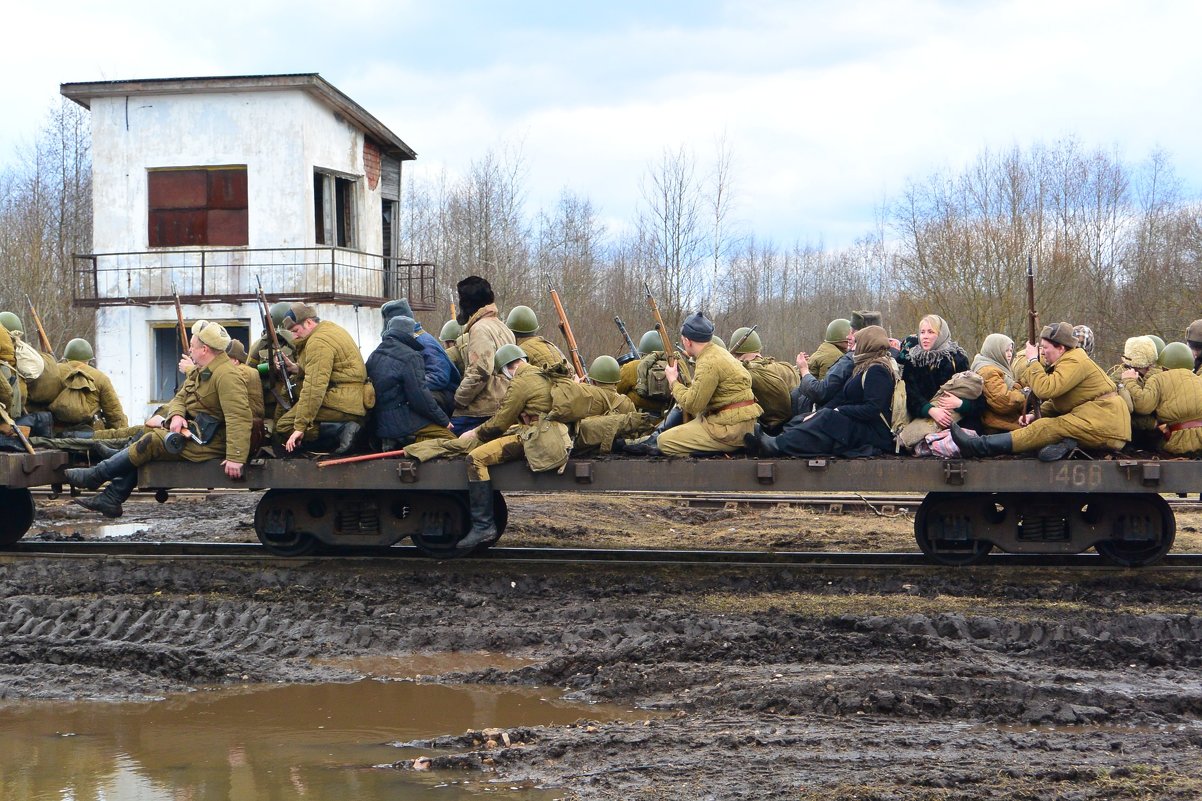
[329, 741]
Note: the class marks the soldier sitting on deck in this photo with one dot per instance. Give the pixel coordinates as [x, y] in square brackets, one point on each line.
[208, 418]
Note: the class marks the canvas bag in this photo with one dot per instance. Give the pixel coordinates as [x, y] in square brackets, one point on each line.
[30, 363]
[546, 445]
[79, 401]
[652, 384]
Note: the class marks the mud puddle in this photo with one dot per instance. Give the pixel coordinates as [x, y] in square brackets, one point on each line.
[321, 741]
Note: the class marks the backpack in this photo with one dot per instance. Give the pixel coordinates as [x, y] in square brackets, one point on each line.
[79, 401]
[652, 384]
[30, 363]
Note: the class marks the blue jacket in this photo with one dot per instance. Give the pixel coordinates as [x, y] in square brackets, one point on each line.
[441, 373]
[403, 401]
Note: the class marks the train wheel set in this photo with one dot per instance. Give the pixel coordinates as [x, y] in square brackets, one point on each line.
[970, 507]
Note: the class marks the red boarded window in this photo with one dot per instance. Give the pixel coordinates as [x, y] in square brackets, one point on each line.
[197, 206]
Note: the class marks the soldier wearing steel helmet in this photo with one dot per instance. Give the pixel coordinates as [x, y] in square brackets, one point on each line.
[651, 345]
[834, 345]
[540, 352]
[1193, 338]
[450, 336]
[1174, 396]
[1137, 366]
[772, 382]
[12, 387]
[88, 400]
[257, 355]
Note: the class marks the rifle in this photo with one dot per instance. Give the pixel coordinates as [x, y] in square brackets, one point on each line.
[37, 321]
[735, 346]
[1032, 327]
[454, 314]
[179, 321]
[276, 368]
[5, 418]
[632, 352]
[566, 329]
[669, 350]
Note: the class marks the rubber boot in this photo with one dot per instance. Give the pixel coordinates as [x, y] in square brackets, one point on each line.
[988, 445]
[484, 527]
[111, 468]
[1057, 450]
[108, 503]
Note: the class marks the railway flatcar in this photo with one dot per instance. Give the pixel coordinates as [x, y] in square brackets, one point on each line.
[1115, 506]
[19, 472]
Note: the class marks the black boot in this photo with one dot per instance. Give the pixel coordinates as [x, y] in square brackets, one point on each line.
[646, 447]
[347, 435]
[988, 445]
[92, 477]
[1057, 450]
[757, 443]
[484, 527]
[108, 503]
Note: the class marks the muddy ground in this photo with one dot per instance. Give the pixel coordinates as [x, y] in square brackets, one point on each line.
[774, 683]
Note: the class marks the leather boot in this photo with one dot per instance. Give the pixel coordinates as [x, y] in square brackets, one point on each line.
[988, 445]
[1057, 450]
[646, 447]
[484, 527]
[757, 443]
[347, 434]
[92, 477]
[108, 503]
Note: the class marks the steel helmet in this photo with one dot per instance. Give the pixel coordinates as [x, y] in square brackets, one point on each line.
[11, 322]
[506, 354]
[604, 370]
[522, 320]
[1176, 356]
[78, 350]
[451, 330]
[278, 310]
[751, 344]
[837, 330]
[719, 341]
[1194, 332]
[1159, 343]
[651, 342]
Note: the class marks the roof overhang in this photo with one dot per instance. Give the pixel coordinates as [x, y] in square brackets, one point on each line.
[314, 84]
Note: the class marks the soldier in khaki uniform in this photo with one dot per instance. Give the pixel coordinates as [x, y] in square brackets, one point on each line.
[212, 404]
[449, 336]
[628, 378]
[88, 399]
[1193, 338]
[272, 388]
[772, 382]
[1174, 396]
[250, 376]
[719, 399]
[10, 395]
[1139, 357]
[1080, 404]
[329, 410]
[833, 347]
[539, 351]
[619, 422]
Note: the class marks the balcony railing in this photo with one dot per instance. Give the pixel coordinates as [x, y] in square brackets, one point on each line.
[214, 275]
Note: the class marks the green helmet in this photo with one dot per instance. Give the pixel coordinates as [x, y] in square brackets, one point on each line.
[751, 344]
[11, 322]
[1176, 356]
[719, 341]
[78, 350]
[522, 320]
[838, 330]
[1159, 343]
[506, 354]
[278, 310]
[651, 342]
[604, 370]
[451, 330]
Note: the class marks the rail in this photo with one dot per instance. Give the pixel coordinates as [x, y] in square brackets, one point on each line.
[208, 275]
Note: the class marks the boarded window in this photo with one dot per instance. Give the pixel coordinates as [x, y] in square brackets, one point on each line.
[198, 206]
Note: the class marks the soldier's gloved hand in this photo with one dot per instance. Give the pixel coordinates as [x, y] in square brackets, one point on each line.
[232, 469]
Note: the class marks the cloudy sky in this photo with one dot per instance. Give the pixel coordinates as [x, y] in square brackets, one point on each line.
[827, 107]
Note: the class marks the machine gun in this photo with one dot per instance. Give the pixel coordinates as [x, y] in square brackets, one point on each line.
[566, 329]
[277, 370]
[1032, 328]
[632, 351]
[37, 321]
[669, 349]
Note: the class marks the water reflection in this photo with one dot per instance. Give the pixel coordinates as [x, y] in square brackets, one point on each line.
[316, 741]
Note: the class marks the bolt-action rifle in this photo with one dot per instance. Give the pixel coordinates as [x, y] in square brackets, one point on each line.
[17, 432]
[1032, 328]
[632, 351]
[566, 329]
[277, 370]
[179, 321]
[669, 349]
[37, 321]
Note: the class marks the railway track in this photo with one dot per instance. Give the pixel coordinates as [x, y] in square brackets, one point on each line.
[775, 559]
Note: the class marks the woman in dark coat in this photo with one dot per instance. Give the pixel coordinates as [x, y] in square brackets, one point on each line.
[856, 421]
[405, 410]
[929, 360]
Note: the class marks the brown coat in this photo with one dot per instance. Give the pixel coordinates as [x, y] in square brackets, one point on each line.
[481, 391]
[542, 353]
[719, 380]
[1076, 385]
[334, 375]
[1002, 406]
[1174, 396]
[220, 391]
[824, 358]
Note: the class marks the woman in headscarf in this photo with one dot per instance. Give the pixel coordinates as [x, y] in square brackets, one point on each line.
[1004, 397]
[928, 360]
[855, 422]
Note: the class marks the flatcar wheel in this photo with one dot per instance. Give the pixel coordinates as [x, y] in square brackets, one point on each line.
[17, 504]
[275, 526]
[1151, 520]
[943, 530]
